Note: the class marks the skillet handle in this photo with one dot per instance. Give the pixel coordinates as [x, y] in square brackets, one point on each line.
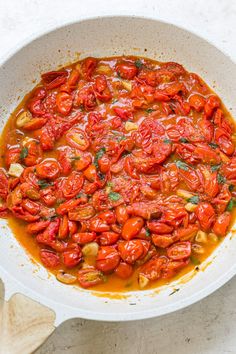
[24, 325]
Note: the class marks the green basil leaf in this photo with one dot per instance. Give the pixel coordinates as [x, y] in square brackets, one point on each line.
[98, 155]
[215, 167]
[231, 205]
[183, 140]
[182, 165]
[221, 179]
[24, 152]
[114, 196]
[194, 200]
[150, 110]
[44, 184]
[213, 145]
[194, 260]
[167, 141]
[138, 63]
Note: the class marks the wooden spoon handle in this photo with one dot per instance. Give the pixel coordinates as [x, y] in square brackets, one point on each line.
[24, 324]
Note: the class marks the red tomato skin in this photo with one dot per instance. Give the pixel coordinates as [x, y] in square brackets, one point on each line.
[179, 251]
[64, 103]
[49, 258]
[121, 214]
[206, 215]
[132, 227]
[124, 270]
[90, 277]
[108, 238]
[72, 256]
[126, 70]
[84, 237]
[222, 223]
[107, 259]
[48, 169]
[108, 216]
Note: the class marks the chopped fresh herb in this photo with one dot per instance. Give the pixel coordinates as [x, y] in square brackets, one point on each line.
[98, 155]
[114, 196]
[174, 291]
[150, 110]
[221, 179]
[147, 231]
[213, 145]
[167, 141]
[215, 167]
[75, 158]
[138, 63]
[44, 184]
[78, 196]
[231, 204]
[194, 260]
[24, 152]
[101, 176]
[114, 101]
[121, 137]
[194, 199]
[182, 165]
[231, 187]
[110, 184]
[183, 140]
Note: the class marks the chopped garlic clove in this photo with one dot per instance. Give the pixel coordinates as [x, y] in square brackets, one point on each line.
[213, 237]
[90, 249]
[198, 249]
[130, 126]
[65, 277]
[190, 207]
[143, 281]
[15, 170]
[127, 85]
[201, 237]
[22, 119]
[184, 194]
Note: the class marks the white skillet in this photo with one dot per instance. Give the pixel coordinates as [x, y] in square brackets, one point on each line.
[101, 36]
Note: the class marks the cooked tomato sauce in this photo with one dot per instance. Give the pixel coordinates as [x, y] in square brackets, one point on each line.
[119, 173]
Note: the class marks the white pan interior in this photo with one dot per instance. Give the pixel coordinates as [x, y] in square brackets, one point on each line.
[106, 37]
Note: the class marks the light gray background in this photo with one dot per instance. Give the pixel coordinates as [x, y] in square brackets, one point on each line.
[208, 327]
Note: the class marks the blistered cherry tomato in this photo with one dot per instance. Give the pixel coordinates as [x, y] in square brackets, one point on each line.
[179, 251]
[107, 259]
[121, 214]
[48, 169]
[132, 227]
[77, 138]
[64, 103]
[124, 270]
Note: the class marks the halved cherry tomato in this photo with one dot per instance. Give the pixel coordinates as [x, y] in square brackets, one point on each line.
[49, 259]
[159, 227]
[77, 138]
[64, 103]
[90, 277]
[48, 169]
[179, 251]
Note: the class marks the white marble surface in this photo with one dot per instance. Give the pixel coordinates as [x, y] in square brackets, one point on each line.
[209, 326]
